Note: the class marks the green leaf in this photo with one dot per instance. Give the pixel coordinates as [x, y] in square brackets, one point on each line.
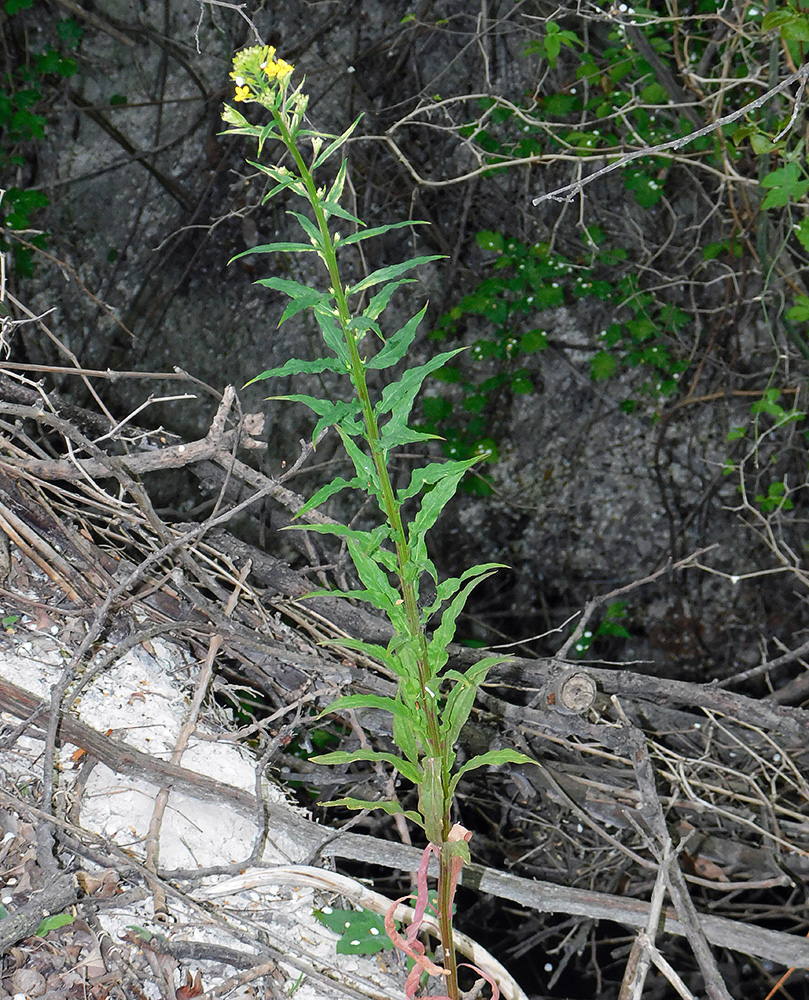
[296, 367]
[375, 579]
[397, 397]
[332, 148]
[462, 696]
[391, 807]
[432, 473]
[275, 248]
[52, 923]
[367, 234]
[371, 648]
[396, 345]
[444, 634]
[431, 508]
[332, 332]
[432, 804]
[309, 228]
[330, 414]
[390, 273]
[489, 240]
[603, 365]
[777, 18]
[450, 586]
[801, 231]
[363, 465]
[323, 494]
[799, 313]
[379, 302]
[404, 767]
[362, 932]
[332, 208]
[784, 184]
[761, 144]
[533, 340]
[492, 758]
[380, 702]
[303, 297]
[15, 6]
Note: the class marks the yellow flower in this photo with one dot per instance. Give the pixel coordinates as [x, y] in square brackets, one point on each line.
[242, 93]
[276, 69]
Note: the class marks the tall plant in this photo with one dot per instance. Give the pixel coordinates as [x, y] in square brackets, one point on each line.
[433, 701]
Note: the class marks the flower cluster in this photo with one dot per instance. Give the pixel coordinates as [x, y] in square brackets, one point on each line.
[254, 67]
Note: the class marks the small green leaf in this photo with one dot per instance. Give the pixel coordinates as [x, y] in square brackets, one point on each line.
[603, 365]
[534, 340]
[362, 932]
[52, 923]
[799, 313]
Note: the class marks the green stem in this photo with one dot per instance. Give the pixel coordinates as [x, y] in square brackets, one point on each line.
[391, 510]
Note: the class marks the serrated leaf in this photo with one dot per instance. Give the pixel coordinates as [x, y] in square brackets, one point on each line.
[363, 465]
[370, 648]
[450, 586]
[407, 769]
[375, 579]
[333, 208]
[302, 296]
[801, 230]
[323, 494]
[330, 414]
[398, 397]
[390, 273]
[431, 473]
[603, 365]
[332, 333]
[370, 539]
[444, 634]
[492, 758]
[379, 302]
[295, 367]
[431, 508]
[397, 344]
